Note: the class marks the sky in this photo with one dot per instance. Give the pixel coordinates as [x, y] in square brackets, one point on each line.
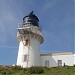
[56, 19]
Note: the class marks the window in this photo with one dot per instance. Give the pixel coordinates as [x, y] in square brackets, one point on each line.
[47, 63]
[25, 58]
[59, 62]
[26, 42]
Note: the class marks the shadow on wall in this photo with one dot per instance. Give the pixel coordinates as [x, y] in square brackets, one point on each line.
[52, 62]
[48, 61]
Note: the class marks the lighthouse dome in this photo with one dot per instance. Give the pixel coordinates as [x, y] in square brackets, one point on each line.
[31, 18]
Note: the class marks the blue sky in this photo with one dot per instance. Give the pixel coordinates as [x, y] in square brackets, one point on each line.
[56, 18]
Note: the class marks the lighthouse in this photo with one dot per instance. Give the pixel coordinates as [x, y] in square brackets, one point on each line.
[30, 37]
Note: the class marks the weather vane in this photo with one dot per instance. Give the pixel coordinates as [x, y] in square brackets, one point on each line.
[32, 12]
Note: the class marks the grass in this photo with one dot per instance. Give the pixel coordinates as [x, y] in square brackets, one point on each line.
[15, 70]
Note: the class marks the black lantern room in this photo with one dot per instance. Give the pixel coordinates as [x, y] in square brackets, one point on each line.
[31, 18]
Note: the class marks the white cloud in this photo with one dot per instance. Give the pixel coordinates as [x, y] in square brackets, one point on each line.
[7, 25]
[8, 47]
[49, 4]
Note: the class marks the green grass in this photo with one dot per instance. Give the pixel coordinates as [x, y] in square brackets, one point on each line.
[10, 70]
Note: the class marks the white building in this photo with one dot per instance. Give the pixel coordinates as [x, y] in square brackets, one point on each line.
[30, 37]
[58, 59]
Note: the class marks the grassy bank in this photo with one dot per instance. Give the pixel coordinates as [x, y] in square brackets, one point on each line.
[14, 70]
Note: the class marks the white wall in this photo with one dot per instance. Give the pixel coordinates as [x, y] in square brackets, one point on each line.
[51, 61]
[33, 52]
[22, 50]
[74, 58]
[67, 59]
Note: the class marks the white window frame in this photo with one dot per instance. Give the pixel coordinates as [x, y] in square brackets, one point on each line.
[59, 62]
[25, 56]
[47, 63]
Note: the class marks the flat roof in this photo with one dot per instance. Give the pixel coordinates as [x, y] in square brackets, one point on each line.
[55, 54]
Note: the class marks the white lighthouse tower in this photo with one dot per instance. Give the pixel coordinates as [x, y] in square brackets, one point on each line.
[29, 37]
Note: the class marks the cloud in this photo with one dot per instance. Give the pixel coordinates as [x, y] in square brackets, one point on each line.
[7, 25]
[57, 27]
[47, 6]
[2, 33]
[8, 47]
[59, 34]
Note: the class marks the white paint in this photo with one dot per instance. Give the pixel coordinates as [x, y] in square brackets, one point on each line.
[67, 59]
[74, 58]
[34, 53]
